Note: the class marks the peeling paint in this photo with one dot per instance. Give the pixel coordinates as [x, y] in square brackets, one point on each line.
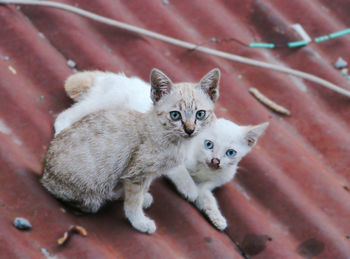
[4, 128]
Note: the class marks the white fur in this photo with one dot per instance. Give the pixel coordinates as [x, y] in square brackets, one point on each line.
[109, 91]
[224, 135]
[116, 90]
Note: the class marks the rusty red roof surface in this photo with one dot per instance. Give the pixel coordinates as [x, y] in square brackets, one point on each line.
[291, 196]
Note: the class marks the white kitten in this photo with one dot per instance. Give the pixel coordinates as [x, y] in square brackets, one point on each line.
[107, 91]
[211, 158]
[212, 161]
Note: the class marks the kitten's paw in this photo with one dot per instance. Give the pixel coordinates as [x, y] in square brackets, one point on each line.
[219, 222]
[147, 200]
[145, 225]
[191, 194]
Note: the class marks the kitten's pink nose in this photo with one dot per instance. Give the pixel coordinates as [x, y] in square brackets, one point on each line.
[215, 162]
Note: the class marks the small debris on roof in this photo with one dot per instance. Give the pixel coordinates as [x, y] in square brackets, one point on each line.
[267, 102]
[166, 2]
[4, 129]
[46, 253]
[344, 71]
[63, 239]
[340, 63]
[6, 58]
[22, 224]
[71, 63]
[12, 70]
[72, 229]
[41, 35]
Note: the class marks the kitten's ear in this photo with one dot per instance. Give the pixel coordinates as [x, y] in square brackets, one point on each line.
[254, 132]
[160, 85]
[210, 84]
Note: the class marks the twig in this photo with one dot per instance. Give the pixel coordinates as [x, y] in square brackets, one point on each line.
[72, 229]
[181, 43]
[267, 102]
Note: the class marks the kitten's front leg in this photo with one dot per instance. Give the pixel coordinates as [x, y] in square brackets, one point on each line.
[147, 200]
[134, 196]
[208, 204]
[183, 182]
[147, 197]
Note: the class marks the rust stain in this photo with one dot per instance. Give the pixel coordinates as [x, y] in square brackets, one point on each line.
[254, 244]
[310, 248]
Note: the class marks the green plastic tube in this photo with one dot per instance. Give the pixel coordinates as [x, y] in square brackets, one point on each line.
[296, 44]
[339, 33]
[322, 38]
[262, 45]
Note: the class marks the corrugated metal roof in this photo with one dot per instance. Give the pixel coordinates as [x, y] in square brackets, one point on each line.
[291, 196]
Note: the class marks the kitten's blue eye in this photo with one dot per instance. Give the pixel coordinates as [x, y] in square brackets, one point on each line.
[200, 115]
[208, 144]
[231, 153]
[175, 115]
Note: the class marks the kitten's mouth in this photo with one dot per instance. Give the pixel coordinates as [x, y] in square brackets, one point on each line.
[186, 136]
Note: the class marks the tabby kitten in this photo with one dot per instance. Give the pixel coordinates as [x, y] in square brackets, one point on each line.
[117, 152]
